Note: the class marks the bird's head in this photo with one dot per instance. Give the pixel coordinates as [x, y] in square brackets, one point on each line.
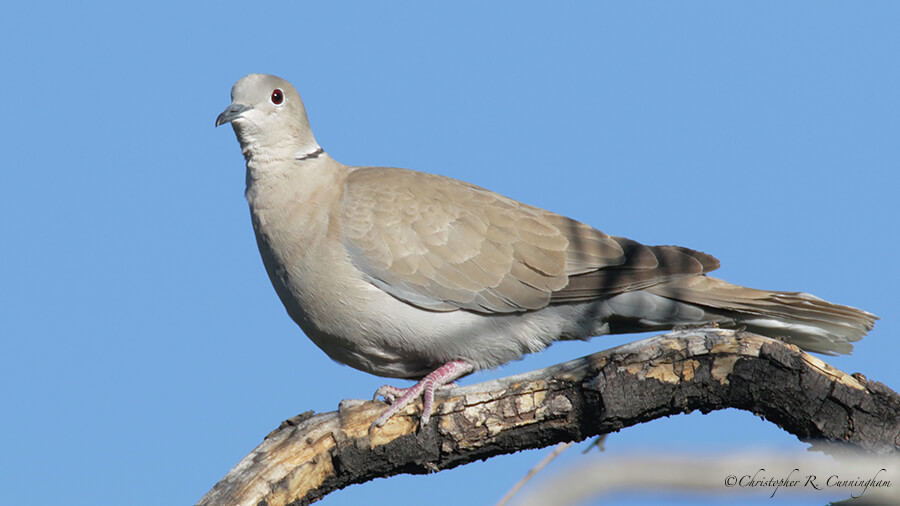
[268, 116]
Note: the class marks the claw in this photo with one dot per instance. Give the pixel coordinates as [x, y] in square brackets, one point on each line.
[402, 397]
[390, 393]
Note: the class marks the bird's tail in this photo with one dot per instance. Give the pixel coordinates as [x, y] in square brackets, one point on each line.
[803, 319]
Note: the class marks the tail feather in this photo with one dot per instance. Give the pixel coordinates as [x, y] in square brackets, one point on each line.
[805, 320]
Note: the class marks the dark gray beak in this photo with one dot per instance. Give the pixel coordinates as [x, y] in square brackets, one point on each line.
[231, 113]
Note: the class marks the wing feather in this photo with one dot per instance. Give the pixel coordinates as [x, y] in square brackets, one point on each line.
[444, 245]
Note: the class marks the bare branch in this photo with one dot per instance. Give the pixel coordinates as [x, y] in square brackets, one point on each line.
[561, 447]
[744, 475]
[706, 369]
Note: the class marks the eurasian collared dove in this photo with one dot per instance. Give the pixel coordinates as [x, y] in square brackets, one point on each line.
[406, 274]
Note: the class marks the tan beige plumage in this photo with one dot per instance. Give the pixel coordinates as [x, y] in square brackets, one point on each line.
[398, 272]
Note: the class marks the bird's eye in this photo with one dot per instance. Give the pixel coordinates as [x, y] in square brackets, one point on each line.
[277, 97]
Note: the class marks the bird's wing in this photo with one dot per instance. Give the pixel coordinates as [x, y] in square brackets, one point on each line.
[443, 244]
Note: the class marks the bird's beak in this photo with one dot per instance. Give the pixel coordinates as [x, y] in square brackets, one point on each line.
[231, 113]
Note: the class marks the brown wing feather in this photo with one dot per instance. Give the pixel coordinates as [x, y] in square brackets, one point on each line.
[443, 244]
[645, 266]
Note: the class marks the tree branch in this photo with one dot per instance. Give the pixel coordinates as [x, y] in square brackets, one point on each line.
[707, 475]
[312, 455]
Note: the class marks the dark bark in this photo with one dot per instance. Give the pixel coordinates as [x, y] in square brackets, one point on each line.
[312, 455]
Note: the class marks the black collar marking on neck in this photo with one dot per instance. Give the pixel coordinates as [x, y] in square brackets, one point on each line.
[310, 156]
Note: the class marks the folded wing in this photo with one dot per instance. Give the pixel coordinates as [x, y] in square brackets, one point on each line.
[444, 245]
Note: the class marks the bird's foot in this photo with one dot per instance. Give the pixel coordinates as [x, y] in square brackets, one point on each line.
[402, 397]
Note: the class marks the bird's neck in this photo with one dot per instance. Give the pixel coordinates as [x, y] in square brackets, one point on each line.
[258, 151]
[309, 152]
[260, 146]
[297, 177]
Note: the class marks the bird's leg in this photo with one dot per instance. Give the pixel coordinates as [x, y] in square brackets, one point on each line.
[402, 397]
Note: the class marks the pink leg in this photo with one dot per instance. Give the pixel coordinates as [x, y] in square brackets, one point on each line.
[402, 397]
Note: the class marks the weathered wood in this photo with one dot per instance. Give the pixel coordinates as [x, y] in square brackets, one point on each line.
[707, 369]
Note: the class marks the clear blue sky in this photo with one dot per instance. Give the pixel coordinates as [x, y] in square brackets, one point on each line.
[144, 351]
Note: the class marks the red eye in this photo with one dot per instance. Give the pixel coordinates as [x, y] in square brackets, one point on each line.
[277, 97]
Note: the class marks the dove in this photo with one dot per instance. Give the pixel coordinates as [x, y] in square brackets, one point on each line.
[407, 274]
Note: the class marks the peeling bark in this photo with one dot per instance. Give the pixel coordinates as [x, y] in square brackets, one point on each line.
[312, 455]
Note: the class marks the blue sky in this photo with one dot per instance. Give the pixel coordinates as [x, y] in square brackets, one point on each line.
[144, 351]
